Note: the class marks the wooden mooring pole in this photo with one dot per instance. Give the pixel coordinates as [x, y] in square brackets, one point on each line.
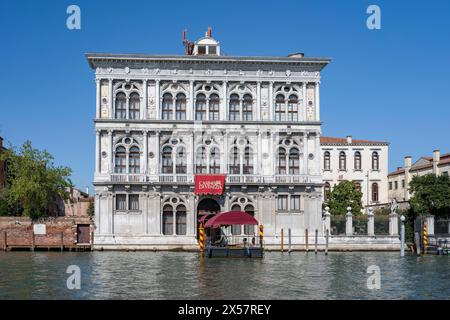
[315, 241]
[62, 241]
[326, 242]
[306, 240]
[417, 241]
[282, 240]
[289, 239]
[33, 241]
[5, 241]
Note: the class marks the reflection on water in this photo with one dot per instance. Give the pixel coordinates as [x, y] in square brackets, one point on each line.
[176, 275]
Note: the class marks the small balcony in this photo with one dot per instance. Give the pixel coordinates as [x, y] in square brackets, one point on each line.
[122, 177]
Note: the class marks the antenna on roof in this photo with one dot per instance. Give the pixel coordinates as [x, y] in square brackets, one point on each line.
[188, 45]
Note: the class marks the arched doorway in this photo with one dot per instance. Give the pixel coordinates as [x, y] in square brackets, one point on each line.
[206, 208]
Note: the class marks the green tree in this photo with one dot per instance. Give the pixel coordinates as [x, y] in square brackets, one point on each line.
[431, 195]
[91, 210]
[34, 183]
[342, 196]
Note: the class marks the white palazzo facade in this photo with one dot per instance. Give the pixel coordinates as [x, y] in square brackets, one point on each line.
[161, 120]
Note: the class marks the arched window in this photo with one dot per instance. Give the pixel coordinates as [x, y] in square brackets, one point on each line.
[121, 105]
[167, 220]
[375, 192]
[167, 163]
[236, 228]
[234, 163]
[375, 161]
[214, 103]
[180, 220]
[249, 229]
[134, 106]
[280, 108]
[214, 160]
[167, 107]
[342, 161]
[281, 168]
[294, 161]
[357, 160]
[293, 108]
[200, 107]
[247, 107]
[326, 190]
[200, 160]
[326, 160]
[248, 161]
[133, 160]
[120, 160]
[181, 167]
[180, 107]
[234, 107]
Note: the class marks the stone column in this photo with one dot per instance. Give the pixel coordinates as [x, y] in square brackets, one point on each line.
[157, 100]
[157, 155]
[145, 168]
[111, 98]
[305, 104]
[97, 151]
[224, 102]
[271, 98]
[393, 224]
[144, 94]
[430, 224]
[111, 151]
[190, 109]
[349, 222]
[370, 222]
[327, 216]
[98, 98]
[258, 101]
[317, 101]
[305, 152]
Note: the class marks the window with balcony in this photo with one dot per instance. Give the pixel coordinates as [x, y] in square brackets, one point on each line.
[180, 107]
[167, 107]
[200, 107]
[214, 106]
[200, 160]
[248, 161]
[120, 160]
[247, 107]
[167, 162]
[181, 167]
[134, 109]
[375, 161]
[121, 105]
[326, 161]
[134, 160]
[234, 107]
[357, 160]
[280, 108]
[293, 108]
[234, 167]
[214, 160]
[294, 161]
[342, 161]
[281, 161]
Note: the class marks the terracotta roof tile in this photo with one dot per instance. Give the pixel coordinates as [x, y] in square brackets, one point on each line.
[343, 141]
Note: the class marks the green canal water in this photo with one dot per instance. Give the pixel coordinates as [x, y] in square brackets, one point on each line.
[179, 275]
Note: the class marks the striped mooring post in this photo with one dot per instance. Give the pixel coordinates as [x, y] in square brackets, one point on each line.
[201, 238]
[425, 240]
[261, 234]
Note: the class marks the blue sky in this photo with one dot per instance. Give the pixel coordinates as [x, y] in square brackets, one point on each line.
[391, 84]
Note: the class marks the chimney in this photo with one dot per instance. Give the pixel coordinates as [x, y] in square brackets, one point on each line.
[436, 159]
[408, 162]
[209, 33]
[349, 139]
[87, 190]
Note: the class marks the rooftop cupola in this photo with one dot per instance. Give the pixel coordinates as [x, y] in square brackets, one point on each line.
[206, 45]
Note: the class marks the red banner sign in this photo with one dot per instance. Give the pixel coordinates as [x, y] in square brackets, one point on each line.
[209, 183]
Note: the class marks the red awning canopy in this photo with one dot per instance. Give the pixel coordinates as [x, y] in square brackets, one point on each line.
[230, 218]
[204, 217]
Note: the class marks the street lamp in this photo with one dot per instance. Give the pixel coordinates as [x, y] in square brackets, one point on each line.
[402, 236]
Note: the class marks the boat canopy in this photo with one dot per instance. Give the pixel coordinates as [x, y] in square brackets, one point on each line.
[230, 218]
